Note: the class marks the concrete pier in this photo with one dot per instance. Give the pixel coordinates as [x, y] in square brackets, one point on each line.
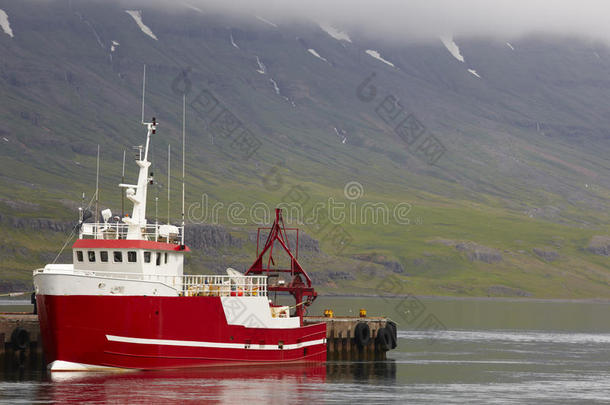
[345, 340]
[19, 331]
[20, 340]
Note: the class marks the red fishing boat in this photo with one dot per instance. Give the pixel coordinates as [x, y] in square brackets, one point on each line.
[124, 302]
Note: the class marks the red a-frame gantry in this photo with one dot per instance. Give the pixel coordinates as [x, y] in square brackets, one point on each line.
[300, 285]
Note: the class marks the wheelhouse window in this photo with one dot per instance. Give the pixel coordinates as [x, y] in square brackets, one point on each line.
[91, 255]
[131, 257]
[79, 255]
[165, 258]
[104, 256]
[146, 257]
[118, 257]
[158, 258]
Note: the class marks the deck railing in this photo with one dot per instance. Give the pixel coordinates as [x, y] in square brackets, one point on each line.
[118, 230]
[192, 285]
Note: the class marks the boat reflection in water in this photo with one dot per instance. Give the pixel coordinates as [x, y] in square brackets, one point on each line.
[231, 385]
[235, 385]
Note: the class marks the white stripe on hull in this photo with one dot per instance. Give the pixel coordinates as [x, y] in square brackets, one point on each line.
[219, 345]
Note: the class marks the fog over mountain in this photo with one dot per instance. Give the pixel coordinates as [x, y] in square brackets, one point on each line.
[425, 19]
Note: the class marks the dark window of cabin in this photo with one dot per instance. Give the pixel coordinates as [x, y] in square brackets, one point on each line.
[158, 258]
[146, 257]
[131, 257]
[104, 256]
[118, 257]
[165, 258]
[91, 255]
[79, 255]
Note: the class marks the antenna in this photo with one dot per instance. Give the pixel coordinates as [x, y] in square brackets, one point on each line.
[81, 209]
[143, 91]
[156, 210]
[169, 171]
[122, 182]
[97, 185]
[183, 157]
[156, 218]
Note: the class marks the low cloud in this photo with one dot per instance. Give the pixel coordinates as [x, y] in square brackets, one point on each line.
[421, 19]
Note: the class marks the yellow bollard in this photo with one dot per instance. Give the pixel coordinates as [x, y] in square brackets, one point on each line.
[362, 313]
[328, 313]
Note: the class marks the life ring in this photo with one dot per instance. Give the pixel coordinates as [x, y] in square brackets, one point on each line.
[20, 338]
[384, 339]
[391, 325]
[362, 334]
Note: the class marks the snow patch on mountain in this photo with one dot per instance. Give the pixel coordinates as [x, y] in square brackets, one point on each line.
[4, 23]
[275, 86]
[341, 135]
[233, 42]
[377, 56]
[261, 67]
[334, 32]
[265, 21]
[510, 46]
[190, 6]
[316, 54]
[114, 45]
[277, 90]
[452, 48]
[137, 17]
[474, 72]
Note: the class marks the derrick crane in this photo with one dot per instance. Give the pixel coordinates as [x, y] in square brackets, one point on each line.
[300, 285]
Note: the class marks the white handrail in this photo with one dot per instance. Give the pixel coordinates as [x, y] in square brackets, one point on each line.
[189, 285]
[117, 230]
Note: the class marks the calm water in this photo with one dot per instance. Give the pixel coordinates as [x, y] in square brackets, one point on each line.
[492, 352]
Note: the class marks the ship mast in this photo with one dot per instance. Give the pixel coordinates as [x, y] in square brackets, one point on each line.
[137, 193]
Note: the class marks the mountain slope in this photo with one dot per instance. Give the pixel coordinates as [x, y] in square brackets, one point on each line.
[526, 141]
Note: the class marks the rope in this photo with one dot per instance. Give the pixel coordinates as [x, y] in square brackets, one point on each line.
[296, 305]
[71, 235]
[16, 294]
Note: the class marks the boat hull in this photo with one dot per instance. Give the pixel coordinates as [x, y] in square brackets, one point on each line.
[148, 332]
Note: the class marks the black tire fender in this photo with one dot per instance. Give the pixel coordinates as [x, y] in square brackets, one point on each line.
[391, 325]
[20, 338]
[362, 334]
[384, 339]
